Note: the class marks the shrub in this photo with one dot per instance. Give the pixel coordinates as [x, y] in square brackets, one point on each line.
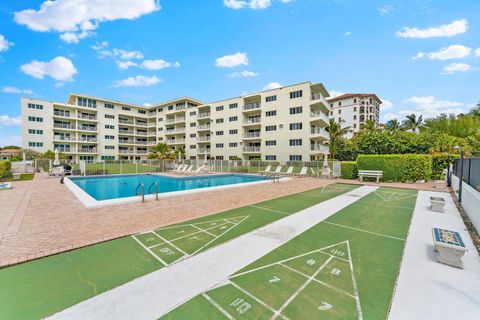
[439, 162]
[5, 169]
[398, 167]
[349, 169]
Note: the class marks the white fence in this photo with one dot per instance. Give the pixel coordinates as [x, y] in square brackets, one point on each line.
[470, 201]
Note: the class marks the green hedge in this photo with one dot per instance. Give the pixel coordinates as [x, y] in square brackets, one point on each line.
[398, 167]
[5, 169]
[349, 169]
[439, 162]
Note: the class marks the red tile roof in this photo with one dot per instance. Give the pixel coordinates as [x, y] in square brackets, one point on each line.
[10, 151]
[353, 95]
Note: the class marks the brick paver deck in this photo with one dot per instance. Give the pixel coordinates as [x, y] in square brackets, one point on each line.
[42, 217]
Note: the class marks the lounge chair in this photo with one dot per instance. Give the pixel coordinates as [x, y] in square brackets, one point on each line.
[326, 173]
[187, 170]
[197, 171]
[278, 170]
[303, 172]
[57, 171]
[314, 174]
[266, 171]
[179, 168]
[289, 171]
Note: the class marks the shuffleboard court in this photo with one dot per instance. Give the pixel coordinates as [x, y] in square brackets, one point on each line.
[343, 268]
[40, 288]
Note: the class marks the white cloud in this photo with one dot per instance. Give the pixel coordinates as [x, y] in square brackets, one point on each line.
[455, 51]
[78, 19]
[158, 64]
[120, 54]
[272, 85]
[233, 60]
[477, 53]
[386, 105]
[334, 93]
[456, 67]
[446, 30]
[10, 121]
[348, 33]
[252, 4]
[385, 9]
[243, 74]
[16, 90]
[58, 84]
[430, 106]
[137, 81]
[59, 68]
[146, 104]
[100, 45]
[4, 43]
[124, 65]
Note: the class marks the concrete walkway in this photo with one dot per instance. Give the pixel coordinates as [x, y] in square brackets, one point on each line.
[427, 289]
[153, 295]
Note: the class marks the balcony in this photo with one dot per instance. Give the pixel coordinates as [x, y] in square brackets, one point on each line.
[319, 134]
[252, 106]
[203, 127]
[175, 120]
[62, 114]
[319, 118]
[252, 121]
[126, 132]
[140, 133]
[87, 117]
[141, 124]
[251, 149]
[84, 128]
[318, 148]
[204, 139]
[63, 126]
[60, 138]
[126, 151]
[175, 141]
[203, 150]
[251, 135]
[65, 150]
[175, 130]
[128, 122]
[85, 139]
[87, 150]
[203, 115]
[141, 152]
[318, 101]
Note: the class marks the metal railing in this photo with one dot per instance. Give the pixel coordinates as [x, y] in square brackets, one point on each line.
[470, 172]
[155, 183]
[252, 135]
[63, 126]
[251, 106]
[315, 96]
[203, 115]
[203, 127]
[252, 120]
[142, 190]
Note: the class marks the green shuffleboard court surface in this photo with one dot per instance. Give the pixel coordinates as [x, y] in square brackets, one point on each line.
[345, 267]
[40, 288]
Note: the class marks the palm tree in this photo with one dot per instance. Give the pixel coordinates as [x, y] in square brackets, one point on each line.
[369, 125]
[336, 133]
[161, 151]
[180, 151]
[476, 111]
[412, 122]
[393, 125]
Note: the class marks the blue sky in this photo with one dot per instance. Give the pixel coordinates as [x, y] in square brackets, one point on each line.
[417, 55]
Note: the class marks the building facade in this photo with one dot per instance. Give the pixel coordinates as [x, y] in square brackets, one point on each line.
[284, 124]
[354, 109]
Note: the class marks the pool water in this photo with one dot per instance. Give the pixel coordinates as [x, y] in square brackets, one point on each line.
[122, 186]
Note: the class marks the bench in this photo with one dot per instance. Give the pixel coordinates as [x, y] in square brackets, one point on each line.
[449, 247]
[370, 174]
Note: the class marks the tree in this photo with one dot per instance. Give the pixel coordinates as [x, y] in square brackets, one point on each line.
[369, 125]
[180, 152]
[476, 111]
[393, 125]
[10, 147]
[336, 134]
[51, 155]
[412, 122]
[161, 151]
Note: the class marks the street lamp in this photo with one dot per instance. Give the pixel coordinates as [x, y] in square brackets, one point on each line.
[461, 174]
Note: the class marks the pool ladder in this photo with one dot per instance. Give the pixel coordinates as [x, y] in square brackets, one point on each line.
[274, 176]
[142, 186]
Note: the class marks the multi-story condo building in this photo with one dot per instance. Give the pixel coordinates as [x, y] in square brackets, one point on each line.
[353, 109]
[284, 124]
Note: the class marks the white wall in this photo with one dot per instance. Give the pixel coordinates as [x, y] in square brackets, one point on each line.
[470, 201]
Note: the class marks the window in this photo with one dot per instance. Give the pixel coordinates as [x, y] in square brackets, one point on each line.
[233, 106]
[355, 100]
[193, 146]
[160, 129]
[193, 113]
[35, 119]
[170, 107]
[193, 135]
[233, 144]
[109, 116]
[35, 106]
[296, 94]
[355, 125]
[108, 126]
[219, 145]
[84, 102]
[193, 124]
[331, 105]
[141, 111]
[271, 113]
[109, 106]
[296, 126]
[35, 144]
[270, 158]
[160, 119]
[219, 157]
[34, 131]
[339, 111]
[219, 108]
[160, 109]
[271, 143]
[233, 131]
[354, 109]
[125, 108]
[296, 110]
[270, 98]
[271, 128]
[233, 119]
[295, 142]
[295, 158]
[339, 103]
[109, 147]
[107, 157]
[219, 120]
[354, 117]
[109, 137]
[219, 133]
[331, 113]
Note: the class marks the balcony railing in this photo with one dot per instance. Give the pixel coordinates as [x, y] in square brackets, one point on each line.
[87, 150]
[251, 149]
[315, 96]
[173, 120]
[316, 114]
[204, 139]
[63, 126]
[317, 147]
[252, 135]
[65, 150]
[176, 130]
[204, 127]
[126, 151]
[317, 131]
[83, 139]
[252, 120]
[87, 117]
[125, 132]
[143, 124]
[173, 141]
[82, 128]
[203, 150]
[60, 138]
[203, 115]
[141, 152]
[140, 133]
[125, 121]
[62, 114]
[251, 106]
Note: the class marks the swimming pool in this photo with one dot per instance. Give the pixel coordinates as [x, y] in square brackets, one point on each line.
[123, 186]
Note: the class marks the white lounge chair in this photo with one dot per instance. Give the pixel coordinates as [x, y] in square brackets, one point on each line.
[187, 170]
[314, 174]
[267, 170]
[197, 171]
[303, 172]
[278, 169]
[178, 169]
[289, 171]
[57, 171]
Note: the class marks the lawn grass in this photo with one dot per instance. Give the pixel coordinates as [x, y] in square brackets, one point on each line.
[39, 288]
[23, 177]
[343, 268]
